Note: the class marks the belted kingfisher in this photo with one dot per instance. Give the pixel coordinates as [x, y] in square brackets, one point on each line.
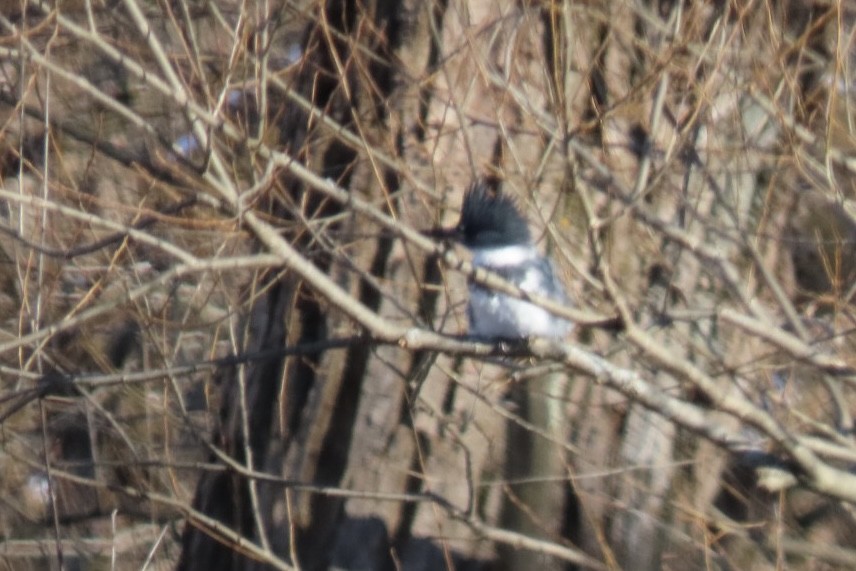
[493, 229]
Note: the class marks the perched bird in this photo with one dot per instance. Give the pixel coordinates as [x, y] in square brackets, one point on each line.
[494, 230]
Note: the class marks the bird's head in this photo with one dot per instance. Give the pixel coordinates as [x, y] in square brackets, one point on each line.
[488, 220]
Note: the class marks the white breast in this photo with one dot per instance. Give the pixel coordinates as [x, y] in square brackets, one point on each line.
[504, 256]
[496, 315]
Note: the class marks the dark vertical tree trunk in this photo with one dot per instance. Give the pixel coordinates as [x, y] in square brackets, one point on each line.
[303, 409]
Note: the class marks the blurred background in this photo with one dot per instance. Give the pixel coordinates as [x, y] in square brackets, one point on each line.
[225, 343]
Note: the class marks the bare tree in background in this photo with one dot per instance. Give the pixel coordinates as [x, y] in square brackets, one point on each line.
[226, 343]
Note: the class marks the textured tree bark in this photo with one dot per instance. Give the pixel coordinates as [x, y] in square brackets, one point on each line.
[287, 423]
[536, 499]
[303, 409]
[226, 496]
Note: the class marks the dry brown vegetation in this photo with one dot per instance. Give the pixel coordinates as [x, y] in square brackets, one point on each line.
[224, 342]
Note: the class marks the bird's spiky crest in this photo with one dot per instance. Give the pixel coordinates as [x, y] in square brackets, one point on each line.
[491, 219]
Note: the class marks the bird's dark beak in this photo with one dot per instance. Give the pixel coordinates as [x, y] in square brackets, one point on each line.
[443, 234]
